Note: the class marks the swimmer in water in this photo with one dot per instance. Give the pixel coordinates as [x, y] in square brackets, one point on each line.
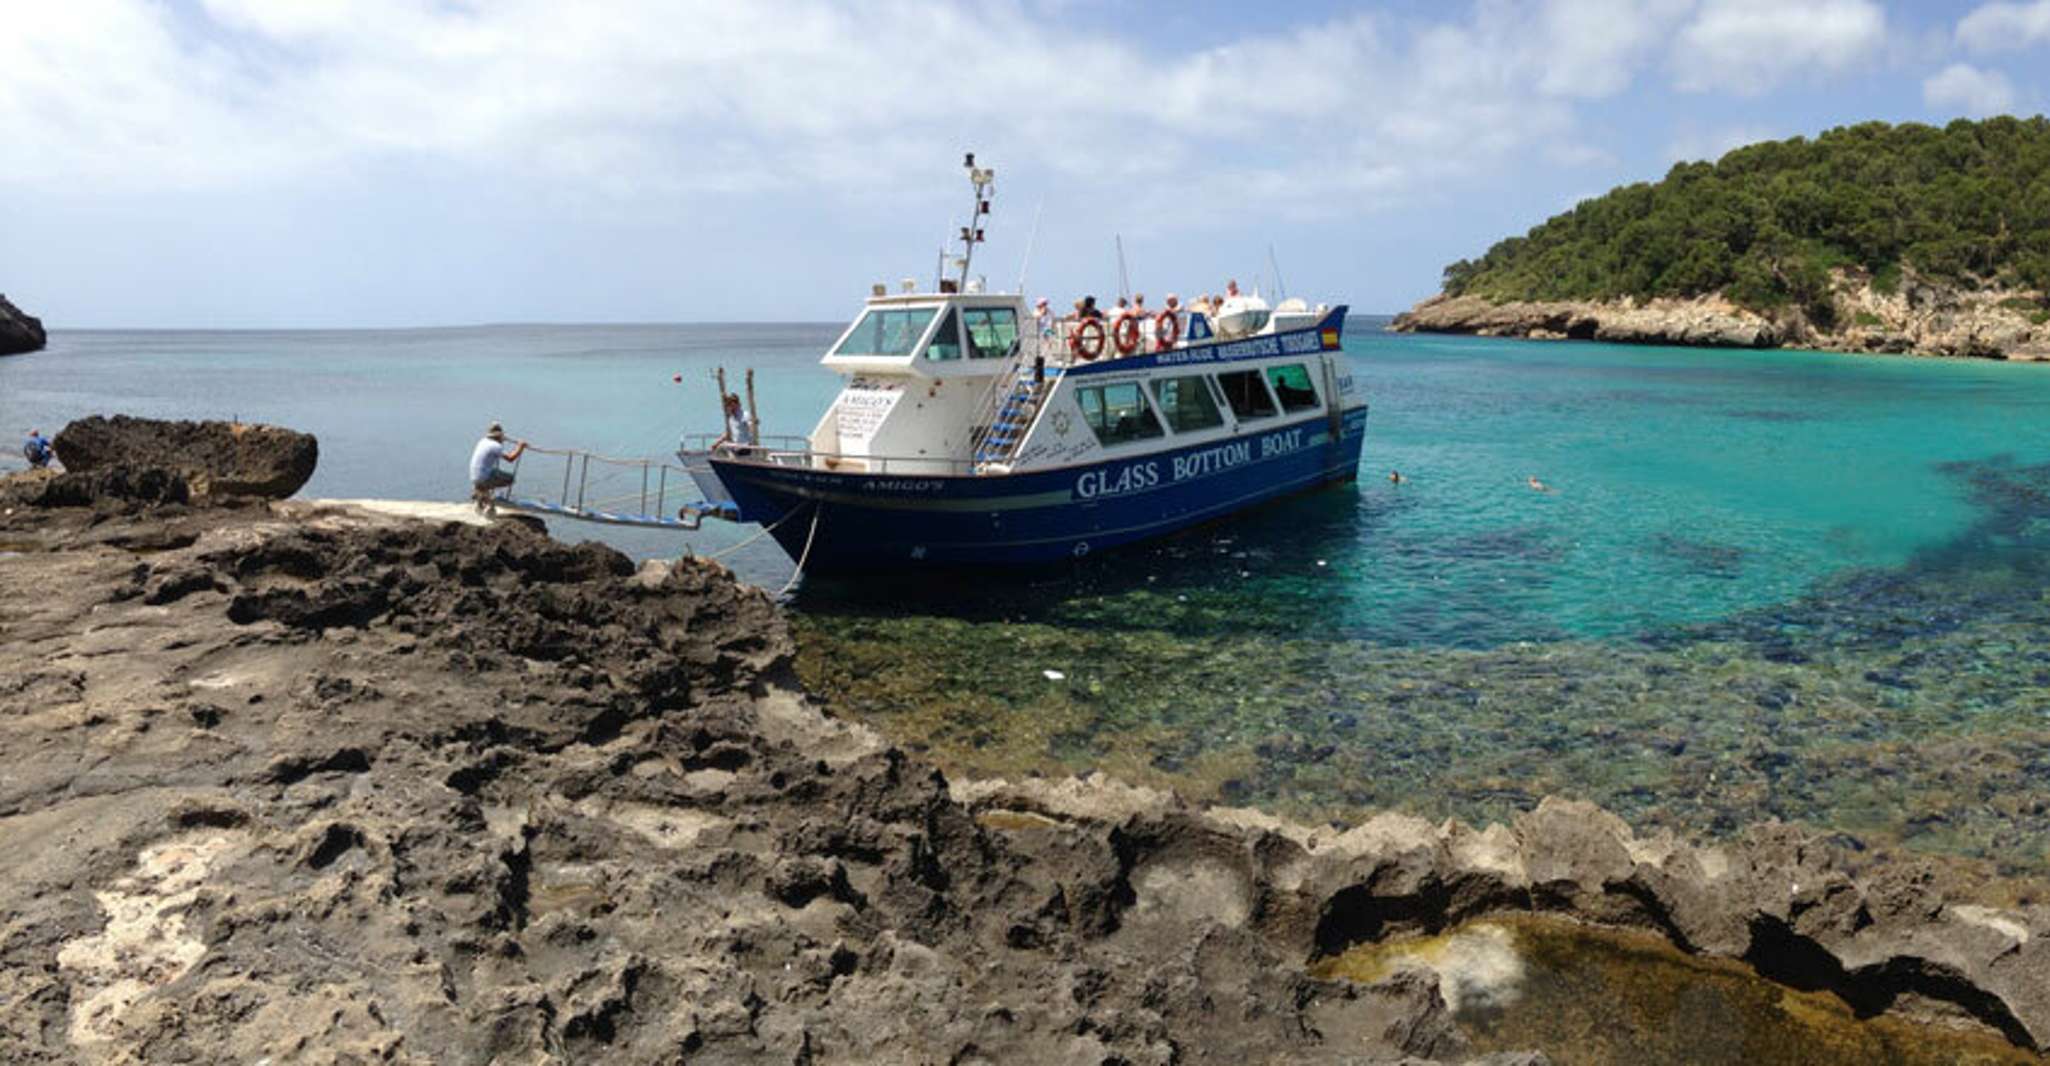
[1395, 477]
[1538, 486]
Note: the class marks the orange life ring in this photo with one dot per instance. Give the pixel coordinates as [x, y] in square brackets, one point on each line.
[1127, 339]
[1086, 350]
[1167, 329]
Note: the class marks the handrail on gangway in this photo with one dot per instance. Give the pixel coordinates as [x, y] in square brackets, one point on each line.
[576, 498]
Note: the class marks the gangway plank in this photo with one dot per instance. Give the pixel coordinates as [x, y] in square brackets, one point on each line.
[586, 474]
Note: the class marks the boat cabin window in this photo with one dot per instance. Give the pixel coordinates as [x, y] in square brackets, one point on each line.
[991, 331]
[1117, 413]
[1246, 394]
[886, 331]
[1292, 387]
[946, 340]
[1186, 404]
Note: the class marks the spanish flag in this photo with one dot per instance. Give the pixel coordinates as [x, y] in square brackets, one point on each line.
[1330, 339]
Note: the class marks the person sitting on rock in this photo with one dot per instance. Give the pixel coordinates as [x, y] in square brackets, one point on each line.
[37, 449]
[485, 476]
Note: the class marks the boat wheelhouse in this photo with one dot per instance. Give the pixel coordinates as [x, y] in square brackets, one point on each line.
[970, 433]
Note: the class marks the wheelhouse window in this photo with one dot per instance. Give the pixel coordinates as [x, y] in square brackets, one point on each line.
[946, 340]
[1117, 413]
[1187, 404]
[1292, 387]
[886, 331]
[991, 331]
[1246, 394]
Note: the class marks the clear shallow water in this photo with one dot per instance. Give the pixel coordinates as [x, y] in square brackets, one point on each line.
[1763, 584]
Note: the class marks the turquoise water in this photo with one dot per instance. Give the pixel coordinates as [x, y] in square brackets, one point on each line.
[397, 411]
[1761, 584]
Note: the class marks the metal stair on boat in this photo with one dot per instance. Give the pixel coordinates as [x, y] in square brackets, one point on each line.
[1013, 418]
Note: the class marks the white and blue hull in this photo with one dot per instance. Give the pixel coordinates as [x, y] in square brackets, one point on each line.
[876, 521]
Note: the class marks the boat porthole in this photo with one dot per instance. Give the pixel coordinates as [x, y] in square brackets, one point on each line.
[1081, 548]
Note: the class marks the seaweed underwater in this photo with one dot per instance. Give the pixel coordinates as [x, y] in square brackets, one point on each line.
[1901, 707]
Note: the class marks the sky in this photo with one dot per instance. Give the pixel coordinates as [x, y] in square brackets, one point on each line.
[344, 163]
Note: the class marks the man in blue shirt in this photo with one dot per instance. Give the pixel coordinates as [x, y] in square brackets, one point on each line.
[485, 476]
[37, 449]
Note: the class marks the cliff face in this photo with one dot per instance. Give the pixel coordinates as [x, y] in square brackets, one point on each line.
[1918, 319]
[19, 331]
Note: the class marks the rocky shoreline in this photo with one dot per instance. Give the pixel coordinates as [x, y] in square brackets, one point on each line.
[301, 782]
[1917, 319]
[19, 331]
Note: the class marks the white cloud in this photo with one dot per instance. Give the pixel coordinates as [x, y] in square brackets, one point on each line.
[1591, 48]
[2005, 26]
[1751, 46]
[1963, 89]
[641, 98]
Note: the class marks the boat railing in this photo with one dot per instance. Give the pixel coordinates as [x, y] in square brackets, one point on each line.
[605, 488]
[797, 453]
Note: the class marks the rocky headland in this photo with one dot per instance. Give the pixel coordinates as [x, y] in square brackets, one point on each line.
[1866, 238]
[19, 331]
[1916, 319]
[297, 782]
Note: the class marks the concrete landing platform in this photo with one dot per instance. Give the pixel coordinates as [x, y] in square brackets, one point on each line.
[424, 510]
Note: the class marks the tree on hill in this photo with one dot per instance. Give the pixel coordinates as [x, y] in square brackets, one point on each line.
[1968, 204]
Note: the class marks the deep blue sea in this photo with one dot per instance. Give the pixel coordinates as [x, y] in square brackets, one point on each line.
[1786, 584]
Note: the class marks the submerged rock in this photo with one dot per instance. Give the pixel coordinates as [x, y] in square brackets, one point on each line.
[19, 331]
[217, 460]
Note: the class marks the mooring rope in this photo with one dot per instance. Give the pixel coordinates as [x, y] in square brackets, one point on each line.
[816, 509]
[758, 534]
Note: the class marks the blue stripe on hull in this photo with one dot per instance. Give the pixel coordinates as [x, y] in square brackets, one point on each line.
[868, 521]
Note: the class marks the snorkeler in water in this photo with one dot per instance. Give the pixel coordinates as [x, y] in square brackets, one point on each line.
[1538, 486]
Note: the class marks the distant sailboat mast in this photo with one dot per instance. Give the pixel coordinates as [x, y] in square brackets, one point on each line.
[1124, 282]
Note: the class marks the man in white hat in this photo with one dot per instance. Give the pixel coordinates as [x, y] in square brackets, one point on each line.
[485, 476]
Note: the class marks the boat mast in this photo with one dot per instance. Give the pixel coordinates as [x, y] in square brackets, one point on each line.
[1124, 282]
[754, 416]
[984, 180]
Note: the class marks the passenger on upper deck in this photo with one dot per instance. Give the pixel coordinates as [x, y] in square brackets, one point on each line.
[1088, 309]
[1231, 288]
[1139, 305]
[1042, 317]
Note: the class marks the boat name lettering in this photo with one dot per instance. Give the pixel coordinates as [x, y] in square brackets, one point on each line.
[1210, 460]
[1282, 443]
[900, 485]
[1246, 349]
[1299, 343]
[1137, 477]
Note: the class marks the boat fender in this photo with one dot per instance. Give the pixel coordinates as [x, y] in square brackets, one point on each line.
[1087, 340]
[1167, 329]
[1126, 334]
